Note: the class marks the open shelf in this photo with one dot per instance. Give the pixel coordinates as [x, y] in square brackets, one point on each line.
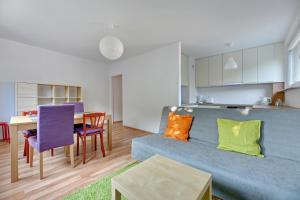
[45, 101]
[44, 90]
[60, 91]
[30, 95]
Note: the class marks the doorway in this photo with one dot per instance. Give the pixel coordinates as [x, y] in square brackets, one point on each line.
[117, 98]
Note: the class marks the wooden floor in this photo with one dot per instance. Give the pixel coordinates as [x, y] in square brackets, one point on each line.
[59, 178]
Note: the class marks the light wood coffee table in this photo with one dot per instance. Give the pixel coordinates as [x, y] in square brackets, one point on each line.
[161, 178]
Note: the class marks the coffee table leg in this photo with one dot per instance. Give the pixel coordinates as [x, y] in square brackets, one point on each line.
[116, 195]
[210, 191]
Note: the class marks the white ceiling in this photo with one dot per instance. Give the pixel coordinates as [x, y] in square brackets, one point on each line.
[204, 26]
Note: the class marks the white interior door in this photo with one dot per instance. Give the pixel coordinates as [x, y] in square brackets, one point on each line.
[117, 98]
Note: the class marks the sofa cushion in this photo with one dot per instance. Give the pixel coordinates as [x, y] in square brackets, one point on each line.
[178, 126]
[240, 136]
[280, 128]
[236, 176]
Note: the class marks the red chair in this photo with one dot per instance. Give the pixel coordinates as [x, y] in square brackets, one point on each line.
[5, 131]
[95, 127]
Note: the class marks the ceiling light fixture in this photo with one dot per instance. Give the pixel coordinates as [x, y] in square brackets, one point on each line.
[110, 46]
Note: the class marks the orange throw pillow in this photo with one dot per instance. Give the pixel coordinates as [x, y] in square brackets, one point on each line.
[178, 126]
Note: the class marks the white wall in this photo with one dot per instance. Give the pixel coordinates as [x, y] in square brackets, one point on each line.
[7, 102]
[237, 94]
[117, 98]
[150, 81]
[292, 97]
[21, 62]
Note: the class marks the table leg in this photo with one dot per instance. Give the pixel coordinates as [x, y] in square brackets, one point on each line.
[116, 195]
[14, 154]
[71, 147]
[109, 133]
[210, 190]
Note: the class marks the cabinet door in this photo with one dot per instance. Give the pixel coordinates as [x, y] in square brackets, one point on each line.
[215, 70]
[270, 63]
[184, 70]
[278, 66]
[250, 65]
[233, 76]
[201, 72]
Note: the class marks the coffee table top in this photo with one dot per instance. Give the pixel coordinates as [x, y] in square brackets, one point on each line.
[162, 178]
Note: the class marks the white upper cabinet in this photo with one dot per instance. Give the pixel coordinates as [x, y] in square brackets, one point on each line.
[270, 63]
[184, 70]
[250, 65]
[201, 72]
[255, 65]
[234, 75]
[215, 70]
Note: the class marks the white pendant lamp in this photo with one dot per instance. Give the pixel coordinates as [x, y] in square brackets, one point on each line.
[111, 47]
[230, 64]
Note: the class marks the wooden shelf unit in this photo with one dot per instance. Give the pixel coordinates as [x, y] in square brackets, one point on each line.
[30, 95]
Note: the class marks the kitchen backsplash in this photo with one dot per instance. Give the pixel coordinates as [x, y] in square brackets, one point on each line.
[237, 94]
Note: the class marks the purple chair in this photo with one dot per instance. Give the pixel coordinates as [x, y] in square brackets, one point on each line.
[78, 106]
[54, 129]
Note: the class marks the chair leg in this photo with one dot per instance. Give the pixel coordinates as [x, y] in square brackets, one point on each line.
[102, 145]
[84, 149]
[27, 152]
[31, 152]
[77, 145]
[3, 133]
[25, 145]
[8, 134]
[72, 155]
[96, 142]
[92, 143]
[52, 152]
[41, 166]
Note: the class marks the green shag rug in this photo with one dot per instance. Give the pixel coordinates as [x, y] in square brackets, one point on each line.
[101, 190]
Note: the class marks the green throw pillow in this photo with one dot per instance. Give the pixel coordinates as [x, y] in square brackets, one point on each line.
[240, 136]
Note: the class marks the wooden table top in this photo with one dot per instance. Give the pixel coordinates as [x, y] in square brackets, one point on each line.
[162, 178]
[19, 120]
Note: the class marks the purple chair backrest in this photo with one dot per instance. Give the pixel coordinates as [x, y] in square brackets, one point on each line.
[54, 126]
[78, 107]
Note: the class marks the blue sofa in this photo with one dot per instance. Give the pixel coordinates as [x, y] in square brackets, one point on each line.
[235, 175]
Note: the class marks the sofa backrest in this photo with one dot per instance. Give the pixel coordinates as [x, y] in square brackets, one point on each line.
[280, 133]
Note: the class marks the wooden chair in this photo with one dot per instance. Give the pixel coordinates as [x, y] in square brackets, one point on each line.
[92, 126]
[5, 131]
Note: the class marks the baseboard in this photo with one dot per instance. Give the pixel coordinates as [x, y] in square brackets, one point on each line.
[136, 129]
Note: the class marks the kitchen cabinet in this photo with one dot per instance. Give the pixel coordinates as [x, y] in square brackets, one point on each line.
[233, 76]
[184, 70]
[270, 63]
[215, 70]
[250, 66]
[255, 65]
[201, 70]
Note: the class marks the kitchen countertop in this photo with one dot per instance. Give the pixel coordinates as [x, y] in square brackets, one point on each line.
[241, 106]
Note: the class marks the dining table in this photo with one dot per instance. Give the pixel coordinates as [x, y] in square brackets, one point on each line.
[20, 123]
